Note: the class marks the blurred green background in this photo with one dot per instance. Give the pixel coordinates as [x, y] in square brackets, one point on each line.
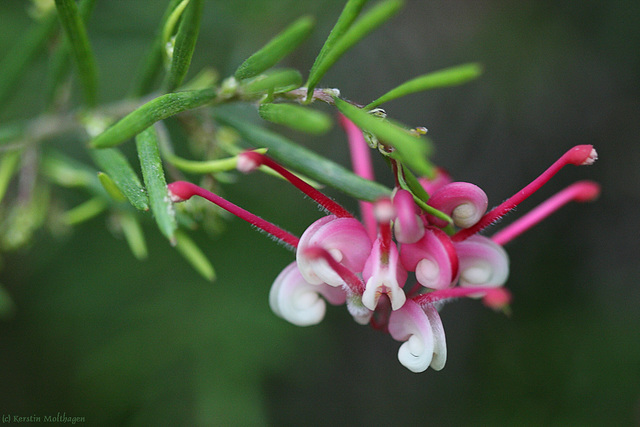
[97, 334]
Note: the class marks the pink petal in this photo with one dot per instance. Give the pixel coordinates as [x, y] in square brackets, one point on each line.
[433, 258]
[298, 301]
[411, 325]
[344, 238]
[464, 202]
[482, 262]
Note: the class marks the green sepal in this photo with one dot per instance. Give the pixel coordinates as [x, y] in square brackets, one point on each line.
[192, 253]
[409, 149]
[349, 13]
[368, 22]
[157, 109]
[155, 182]
[443, 78]
[279, 47]
[302, 160]
[296, 117]
[275, 81]
[185, 44]
[115, 164]
[76, 33]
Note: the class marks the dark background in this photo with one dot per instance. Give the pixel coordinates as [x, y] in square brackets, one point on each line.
[98, 334]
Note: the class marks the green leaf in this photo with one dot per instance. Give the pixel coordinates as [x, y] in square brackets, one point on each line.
[443, 78]
[185, 44]
[59, 61]
[114, 164]
[296, 117]
[154, 180]
[192, 253]
[7, 306]
[157, 109]
[409, 149]
[151, 65]
[371, 20]
[77, 35]
[85, 211]
[279, 47]
[30, 43]
[111, 188]
[300, 159]
[8, 166]
[132, 231]
[349, 14]
[273, 82]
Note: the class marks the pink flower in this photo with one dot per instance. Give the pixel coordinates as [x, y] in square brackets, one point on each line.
[340, 260]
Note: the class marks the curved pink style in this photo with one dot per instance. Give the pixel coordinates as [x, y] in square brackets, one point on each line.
[578, 155]
[581, 191]
[180, 191]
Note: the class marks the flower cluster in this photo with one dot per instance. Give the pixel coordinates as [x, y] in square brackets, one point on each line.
[367, 265]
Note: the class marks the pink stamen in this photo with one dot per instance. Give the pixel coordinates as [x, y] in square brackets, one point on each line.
[362, 166]
[493, 297]
[321, 199]
[578, 155]
[355, 284]
[182, 190]
[581, 191]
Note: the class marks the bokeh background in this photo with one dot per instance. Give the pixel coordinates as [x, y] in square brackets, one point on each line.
[97, 334]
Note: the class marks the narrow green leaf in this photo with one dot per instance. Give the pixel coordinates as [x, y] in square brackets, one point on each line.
[8, 166]
[443, 78]
[192, 253]
[133, 234]
[302, 160]
[85, 211]
[111, 188]
[349, 14]
[273, 82]
[151, 65]
[115, 164]
[371, 20]
[154, 180]
[59, 62]
[410, 150]
[296, 117]
[7, 306]
[157, 109]
[185, 44]
[77, 34]
[279, 47]
[30, 43]
[68, 172]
